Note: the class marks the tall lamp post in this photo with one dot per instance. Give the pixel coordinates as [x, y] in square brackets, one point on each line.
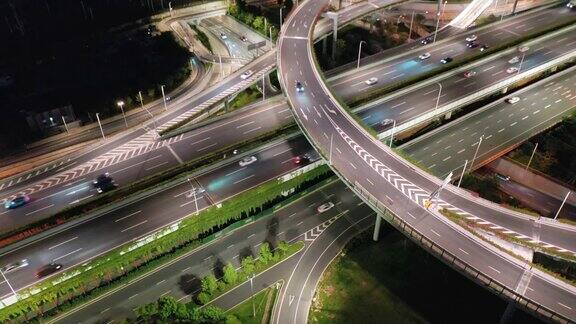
[164, 97]
[438, 98]
[359, 51]
[438, 20]
[120, 104]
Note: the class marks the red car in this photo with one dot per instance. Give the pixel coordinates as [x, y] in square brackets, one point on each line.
[48, 270]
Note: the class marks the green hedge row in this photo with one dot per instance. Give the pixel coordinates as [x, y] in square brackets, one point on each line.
[134, 188]
[369, 96]
[202, 37]
[67, 289]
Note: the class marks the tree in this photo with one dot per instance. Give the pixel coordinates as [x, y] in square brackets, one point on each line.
[146, 312]
[167, 307]
[283, 248]
[258, 23]
[203, 298]
[265, 253]
[230, 274]
[209, 284]
[248, 266]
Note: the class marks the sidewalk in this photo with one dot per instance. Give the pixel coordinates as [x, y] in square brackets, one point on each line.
[533, 179]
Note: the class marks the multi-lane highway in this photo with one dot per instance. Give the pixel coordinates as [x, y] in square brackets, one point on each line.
[501, 125]
[388, 181]
[297, 221]
[91, 238]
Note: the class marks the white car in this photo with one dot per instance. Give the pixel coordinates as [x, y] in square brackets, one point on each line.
[514, 60]
[471, 38]
[513, 100]
[371, 81]
[246, 75]
[14, 266]
[511, 70]
[570, 5]
[325, 207]
[469, 74]
[247, 161]
[223, 36]
[424, 56]
[387, 121]
[523, 49]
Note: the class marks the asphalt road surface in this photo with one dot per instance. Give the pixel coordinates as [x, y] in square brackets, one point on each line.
[371, 167]
[96, 236]
[299, 221]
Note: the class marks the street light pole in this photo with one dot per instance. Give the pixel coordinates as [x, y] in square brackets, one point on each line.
[148, 111]
[561, 205]
[100, 124]
[531, 156]
[163, 97]
[65, 126]
[193, 195]
[263, 88]
[520, 66]
[120, 104]
[438, 99]
[252, 291]
[462, 175]
[221, 69]
[411, 21]
[359, 51]
[392, 135]
[438, 21]
[475, 153]
[170, 7]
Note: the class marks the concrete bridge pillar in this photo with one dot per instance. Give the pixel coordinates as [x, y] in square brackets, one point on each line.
[325, 46]
[377, 227]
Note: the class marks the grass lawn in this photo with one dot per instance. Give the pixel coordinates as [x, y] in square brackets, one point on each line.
[243, 312]
[395, 281]
[245, 98]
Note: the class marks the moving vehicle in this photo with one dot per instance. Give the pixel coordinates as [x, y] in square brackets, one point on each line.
[48, 270]
[301, 159]
[223, 36]
[325, 207]
[502, 177]
[247, 161]
[514, 60]
[424, 56]
[243, 38]
[387, 121]
[104, 183]
[299, 87]
[511, 70]
[472, 44]
[469, 74]
[371, 81]
[523, 49]
[17, 201]
[446, 60]
[483, 48]
[14, 266]
[246, 75]
[471, 38]
[513, 100]
[426, 40]
[570, 5]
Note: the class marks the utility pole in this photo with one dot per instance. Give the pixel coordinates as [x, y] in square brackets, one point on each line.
[438, 98]
[163, 97]
[463, 171]
[411, 22]
[359, 51]
[438, 20]
[531, 156]
[392, 135]
[65, 126]
[561, 205]
[120, 104]
[100, 124]
[475, 153]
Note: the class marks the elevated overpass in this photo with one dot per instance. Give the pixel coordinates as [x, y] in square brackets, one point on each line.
[398, 190]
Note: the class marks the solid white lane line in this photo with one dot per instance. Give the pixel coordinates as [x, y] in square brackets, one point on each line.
[494, 269]
[280, 153]
[129, 215]
[206, 147]
[57, 245]
[411, 215]
[370, 182]
[463, 251]
[248, 177]
[252, 130]
[160, 282]
[433, 231]
[246, 124]
[251, 235]
[200, 141]
[136, 225]
[67, 254]
[155, 166]
[559, 303]
[231, 173]
[37, 210]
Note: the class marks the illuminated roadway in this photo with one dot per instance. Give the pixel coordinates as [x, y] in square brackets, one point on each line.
[371, 167]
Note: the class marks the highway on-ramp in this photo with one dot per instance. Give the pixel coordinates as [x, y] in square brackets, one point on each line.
[373, 169]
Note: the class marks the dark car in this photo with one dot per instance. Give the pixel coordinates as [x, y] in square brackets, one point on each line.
[104, 183]
[446, 60]
[302, 159]
[16, 202]
[472, 45]
[426, 40]
[299, 87]
[48, 269]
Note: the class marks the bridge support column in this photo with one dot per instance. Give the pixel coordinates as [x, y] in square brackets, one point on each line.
[377, 227]
[325, 46]
[335, 36]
